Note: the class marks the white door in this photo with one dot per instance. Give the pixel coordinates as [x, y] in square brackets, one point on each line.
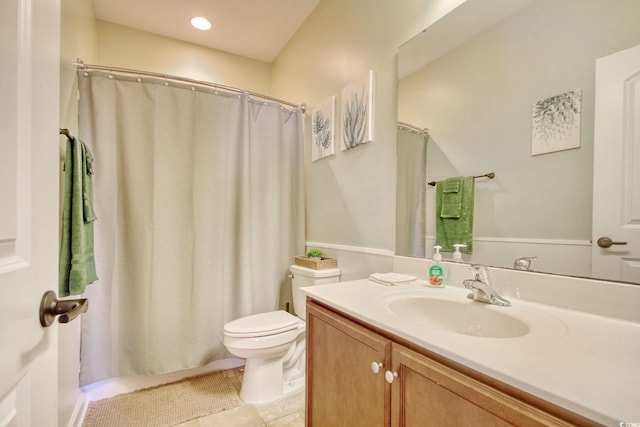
[616, 186]
[29, 159]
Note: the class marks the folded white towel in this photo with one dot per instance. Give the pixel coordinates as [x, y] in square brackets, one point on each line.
[391, 279]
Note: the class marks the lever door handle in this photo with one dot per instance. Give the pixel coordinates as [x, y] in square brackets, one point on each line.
[51, 306]
[606, 242]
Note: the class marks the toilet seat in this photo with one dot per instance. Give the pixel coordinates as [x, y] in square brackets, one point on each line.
[262, 324]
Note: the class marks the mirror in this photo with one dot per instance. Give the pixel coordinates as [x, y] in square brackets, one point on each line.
[472, 79]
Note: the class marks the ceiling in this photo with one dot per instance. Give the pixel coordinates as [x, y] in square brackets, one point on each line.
[257, 29]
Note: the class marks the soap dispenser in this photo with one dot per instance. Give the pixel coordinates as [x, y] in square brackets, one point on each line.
[457, 255]
[436, 270]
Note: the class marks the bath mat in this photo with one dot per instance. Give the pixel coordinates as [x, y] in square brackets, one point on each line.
[166, 404]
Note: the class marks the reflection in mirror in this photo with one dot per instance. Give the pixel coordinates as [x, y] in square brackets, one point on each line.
[410, 190]
[477, 101]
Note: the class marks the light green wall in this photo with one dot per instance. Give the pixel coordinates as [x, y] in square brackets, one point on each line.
[351, 196]
[125, 47]
[78, 39]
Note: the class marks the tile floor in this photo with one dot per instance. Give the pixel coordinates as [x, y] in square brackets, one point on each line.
[288, 412]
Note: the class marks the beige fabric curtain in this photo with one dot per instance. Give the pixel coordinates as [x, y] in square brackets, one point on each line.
[411, 187]
[199, 199]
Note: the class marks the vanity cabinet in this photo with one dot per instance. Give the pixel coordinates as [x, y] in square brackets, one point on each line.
[341, 388]
[360, 377]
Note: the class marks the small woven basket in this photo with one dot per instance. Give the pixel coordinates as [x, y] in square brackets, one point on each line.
[315, 263]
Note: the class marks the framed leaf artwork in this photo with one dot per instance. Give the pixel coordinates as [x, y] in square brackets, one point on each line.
[357, 112]
[555, 123]
[323, 129]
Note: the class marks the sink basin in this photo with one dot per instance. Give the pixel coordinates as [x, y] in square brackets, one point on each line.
[460, 317]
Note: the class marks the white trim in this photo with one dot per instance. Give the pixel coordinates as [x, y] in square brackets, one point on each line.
[372, 251]
[117, 385]
[79, 411]
[528, 241]
[12, 263]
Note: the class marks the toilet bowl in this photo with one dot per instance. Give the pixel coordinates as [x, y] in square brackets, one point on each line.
[273, 343]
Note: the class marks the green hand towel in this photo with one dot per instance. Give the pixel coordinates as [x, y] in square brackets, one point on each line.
[77, 263]
[452, 185]
[454, 229]
[451, 197]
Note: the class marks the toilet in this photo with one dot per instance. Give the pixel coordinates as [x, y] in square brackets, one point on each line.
[273, 343]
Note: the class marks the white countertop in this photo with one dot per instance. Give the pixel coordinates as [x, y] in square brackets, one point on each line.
[586, 363]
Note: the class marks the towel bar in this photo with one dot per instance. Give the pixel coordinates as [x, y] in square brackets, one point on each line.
[489, 175]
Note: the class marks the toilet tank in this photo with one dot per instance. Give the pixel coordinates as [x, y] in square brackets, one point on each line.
[303, 276]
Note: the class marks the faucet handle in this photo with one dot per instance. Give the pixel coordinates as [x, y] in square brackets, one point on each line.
[523, 263]
[480, 272]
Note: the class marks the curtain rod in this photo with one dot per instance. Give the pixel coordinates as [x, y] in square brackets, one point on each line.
[414, 128]
[82, 66]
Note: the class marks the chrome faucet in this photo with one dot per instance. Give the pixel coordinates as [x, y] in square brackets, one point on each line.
[481, 289]
[523, 263]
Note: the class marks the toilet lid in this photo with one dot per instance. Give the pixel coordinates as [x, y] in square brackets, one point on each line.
[258, 325]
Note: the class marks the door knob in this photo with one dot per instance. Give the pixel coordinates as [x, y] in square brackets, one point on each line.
[606, 242]
[51, 306]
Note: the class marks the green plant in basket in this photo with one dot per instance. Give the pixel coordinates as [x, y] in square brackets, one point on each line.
[314, 253]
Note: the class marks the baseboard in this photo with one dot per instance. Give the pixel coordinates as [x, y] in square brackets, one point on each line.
[79, 411]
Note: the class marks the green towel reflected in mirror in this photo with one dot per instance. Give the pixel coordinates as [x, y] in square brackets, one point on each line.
[454, 213]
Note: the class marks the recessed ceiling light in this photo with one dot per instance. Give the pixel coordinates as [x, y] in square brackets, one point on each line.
[201, 23]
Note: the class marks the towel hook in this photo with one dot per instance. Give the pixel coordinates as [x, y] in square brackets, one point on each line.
[65, 132]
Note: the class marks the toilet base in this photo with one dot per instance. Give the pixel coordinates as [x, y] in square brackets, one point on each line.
[275, 364]
[293, 387]
[263, 382]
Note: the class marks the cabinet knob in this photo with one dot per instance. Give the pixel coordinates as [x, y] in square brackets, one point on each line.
[375, 367]
[390, 376]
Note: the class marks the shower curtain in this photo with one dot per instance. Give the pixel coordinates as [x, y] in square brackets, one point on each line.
[199, 199]
[410, 192]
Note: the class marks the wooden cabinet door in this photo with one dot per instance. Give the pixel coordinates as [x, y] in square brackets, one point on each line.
[427, 393]
[342, 389]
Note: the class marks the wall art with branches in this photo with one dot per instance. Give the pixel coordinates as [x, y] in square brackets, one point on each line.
[357, 112]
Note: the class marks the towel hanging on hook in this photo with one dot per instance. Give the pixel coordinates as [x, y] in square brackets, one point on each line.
[77, 267]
